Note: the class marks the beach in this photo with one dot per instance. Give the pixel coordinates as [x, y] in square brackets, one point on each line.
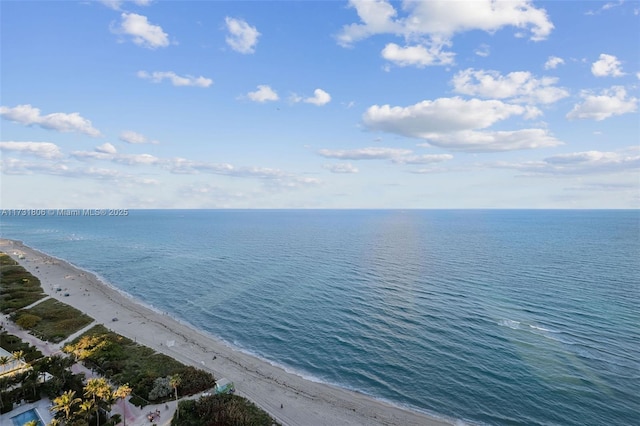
[289, 398]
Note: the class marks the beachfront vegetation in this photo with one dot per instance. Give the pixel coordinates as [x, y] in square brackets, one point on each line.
[18, 288]
[13, 344]
[51, 320]
[220, 410]
[124, 361]
[91, 406]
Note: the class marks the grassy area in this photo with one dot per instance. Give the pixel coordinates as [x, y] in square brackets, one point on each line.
[220, 410]
[51, 320]
[18, 288]
[124, 361]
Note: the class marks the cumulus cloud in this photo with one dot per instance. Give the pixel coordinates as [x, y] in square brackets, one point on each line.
[62, 122]
[263, 94]
[607, 65]
[493, 141]
[442, 19]
[553, 62]
[431, 25]
[610, 102]
[519, 86]
[341, 168]
[419, 55]
[441, 115]
[176, 80]
[454, 123]
[242, 36]
[46, 150]
[319, 98]
[371, 153]
[106, 148]
[132, 137]
[142, 31]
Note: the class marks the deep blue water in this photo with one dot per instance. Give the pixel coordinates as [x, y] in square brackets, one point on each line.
[494, 317]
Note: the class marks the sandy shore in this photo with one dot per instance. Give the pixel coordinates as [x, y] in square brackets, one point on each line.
[303, 402]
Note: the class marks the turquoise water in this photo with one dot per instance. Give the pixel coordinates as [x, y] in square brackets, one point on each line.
[26, 417]
[491, 317]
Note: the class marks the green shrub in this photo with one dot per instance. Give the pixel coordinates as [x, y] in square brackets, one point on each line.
[27, 321]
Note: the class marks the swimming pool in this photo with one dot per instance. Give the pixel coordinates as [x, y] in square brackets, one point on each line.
[26, 417]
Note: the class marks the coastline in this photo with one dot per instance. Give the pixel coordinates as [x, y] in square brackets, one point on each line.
[303, 402]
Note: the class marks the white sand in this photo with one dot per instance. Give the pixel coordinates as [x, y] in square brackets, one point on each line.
[303, 402]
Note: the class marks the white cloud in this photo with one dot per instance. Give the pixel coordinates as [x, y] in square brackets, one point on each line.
[319, 98]
[263, 94]
[46, 150]
[442, 19]
[493, 141]
[553, 62]
[108, 152]
[607, 65]
[13, 166]
[106, 148]
[441, 115]
[422, 159]
[604, 8]
[483, 50]
[519, 86]
[176, 80]
[453, 123]
[132, 137]
[586, 162]
[417, 55]
[610, 102]
[62, 122]
[242, 36]
[116, 4]
[341, 168]
[371, 153]
[143, 33]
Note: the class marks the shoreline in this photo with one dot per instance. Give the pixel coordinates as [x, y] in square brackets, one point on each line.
[303, 401]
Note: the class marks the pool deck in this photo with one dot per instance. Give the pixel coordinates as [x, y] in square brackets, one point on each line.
[41, 406]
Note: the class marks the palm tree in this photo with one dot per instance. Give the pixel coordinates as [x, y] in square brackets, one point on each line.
[18, 356]
[65, 404]
[87, 407]
[4, 360]
[99, 390]
[32, 423]
[121, 393]
[174, 382]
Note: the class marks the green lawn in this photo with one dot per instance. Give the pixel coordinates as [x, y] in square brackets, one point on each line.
[18, 288]
[51, 320]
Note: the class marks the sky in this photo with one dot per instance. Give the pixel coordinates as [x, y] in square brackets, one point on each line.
[150, 104]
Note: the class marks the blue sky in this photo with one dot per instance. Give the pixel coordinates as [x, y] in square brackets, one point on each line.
[326, 104]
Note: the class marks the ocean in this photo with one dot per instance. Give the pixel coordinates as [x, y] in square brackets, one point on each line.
[498, 317]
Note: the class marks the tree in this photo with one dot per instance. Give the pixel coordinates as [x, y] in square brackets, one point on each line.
[175, 381]
[18, 356]
[4, 360]
[87, 407]
[66, 404]
[121, 393]
[99, 390]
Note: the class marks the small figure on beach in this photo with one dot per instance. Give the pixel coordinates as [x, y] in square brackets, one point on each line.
[281, 406]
